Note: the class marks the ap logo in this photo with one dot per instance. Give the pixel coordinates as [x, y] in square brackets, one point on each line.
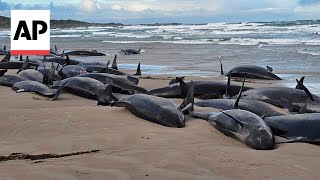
[30, 32]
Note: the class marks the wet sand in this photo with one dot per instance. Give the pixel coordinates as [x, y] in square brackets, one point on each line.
[132, 148]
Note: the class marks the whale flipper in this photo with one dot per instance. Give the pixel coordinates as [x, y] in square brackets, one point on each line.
[236, 103]
[188, 102]
[59, 91]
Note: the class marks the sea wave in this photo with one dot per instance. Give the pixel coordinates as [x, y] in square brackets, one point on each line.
[273, 33]
[232, 41]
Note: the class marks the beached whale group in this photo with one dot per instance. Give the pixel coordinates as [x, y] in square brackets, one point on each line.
[251, 115]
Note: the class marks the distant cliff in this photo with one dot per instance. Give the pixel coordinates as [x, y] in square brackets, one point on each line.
[5, 23]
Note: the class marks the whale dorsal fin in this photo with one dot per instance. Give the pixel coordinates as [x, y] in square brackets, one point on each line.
[221, 68]
[5, 47]
[236, 103]
[301, 81]
[114, 63]
[227, 94]
[270, 69]
[138, 72]
[20, 58]
[183, 87]
[55, 48]
[108, 63]
[306, 90]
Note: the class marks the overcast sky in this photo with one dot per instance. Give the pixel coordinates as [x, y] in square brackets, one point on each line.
[182, 11]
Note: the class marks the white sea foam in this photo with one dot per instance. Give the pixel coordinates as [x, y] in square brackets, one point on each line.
[66, 36]
[102, 33]
[304, 51]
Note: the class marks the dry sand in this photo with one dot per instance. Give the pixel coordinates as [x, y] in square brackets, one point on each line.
[132, 148]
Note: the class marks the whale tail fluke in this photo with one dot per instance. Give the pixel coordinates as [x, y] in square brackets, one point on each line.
[306, 90]
[173, 81]
[270, 69]
[301, 81]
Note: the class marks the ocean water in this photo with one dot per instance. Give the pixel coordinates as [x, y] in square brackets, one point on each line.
[291, 48]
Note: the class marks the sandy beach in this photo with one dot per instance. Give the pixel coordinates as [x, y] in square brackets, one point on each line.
[72, 138]
[130, 147]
